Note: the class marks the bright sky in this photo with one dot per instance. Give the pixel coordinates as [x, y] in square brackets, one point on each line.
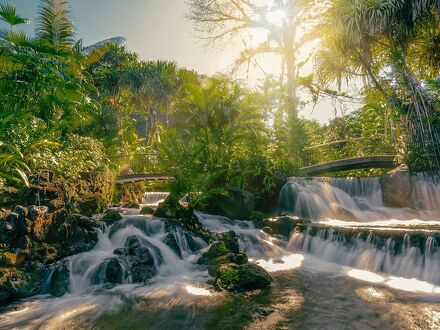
[154, 29]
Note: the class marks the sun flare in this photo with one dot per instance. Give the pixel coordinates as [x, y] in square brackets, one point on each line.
[277, 17]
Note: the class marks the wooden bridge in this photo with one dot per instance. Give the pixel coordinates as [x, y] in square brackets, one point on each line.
[139, 167]
[353, 154]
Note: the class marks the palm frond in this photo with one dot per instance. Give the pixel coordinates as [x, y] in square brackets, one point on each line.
[8, 14]
[103, 43]
[54, 25]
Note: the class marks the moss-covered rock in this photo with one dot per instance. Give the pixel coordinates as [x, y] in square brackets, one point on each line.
[246, 277]
[215, 263]
[231, 241]
[16, 283]
[146, 210]
[170, 208]
[131, 205]
[216, 249]
[111, 216]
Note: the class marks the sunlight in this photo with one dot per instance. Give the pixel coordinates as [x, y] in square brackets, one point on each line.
[277, 17]
[365, 276]
[392, 224]
[285, 263]
[400, 283]
[410, 285]
[374, 293]
[195, 291]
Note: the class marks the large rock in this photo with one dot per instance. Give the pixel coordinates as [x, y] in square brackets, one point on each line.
[18, 283]
[235, 204]
[170, 208]
[146, 210]
[141, 260]
[283, 225]
[111, 216]
[230, 258]
[397, 187]
[246, 277]
[60, 280]
[110, 271]
[17, 227]
[172, 243]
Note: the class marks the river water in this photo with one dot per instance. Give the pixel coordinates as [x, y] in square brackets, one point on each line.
[381, 271]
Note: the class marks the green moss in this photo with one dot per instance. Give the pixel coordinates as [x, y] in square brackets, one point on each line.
[230, 277]
[111, 216]
[147, 210]
[217, 249]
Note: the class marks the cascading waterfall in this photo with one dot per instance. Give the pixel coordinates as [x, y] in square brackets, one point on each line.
[153, 198]
[356, 229]
[133, 251]
[357, 199]
[350, 231]
[413, 255]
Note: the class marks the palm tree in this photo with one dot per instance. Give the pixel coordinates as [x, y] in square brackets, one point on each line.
[368, 38]
[8, 14]
[54, 25]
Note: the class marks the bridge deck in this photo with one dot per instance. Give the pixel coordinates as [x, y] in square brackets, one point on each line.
[376, 161]
[143, 177]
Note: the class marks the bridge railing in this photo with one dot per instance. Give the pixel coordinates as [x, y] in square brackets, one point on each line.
[137, 164]
[348, 148]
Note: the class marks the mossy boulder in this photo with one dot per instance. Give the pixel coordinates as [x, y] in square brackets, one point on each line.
[216, 249]
[16, 283]
[131, 205]
[170, 208]
[146, 210]
[111, 216]
[90, 205]
[246, 277]
[231, 241]
[215, 263]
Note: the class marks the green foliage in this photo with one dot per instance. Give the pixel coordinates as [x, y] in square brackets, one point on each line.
[76, 156]
[12, 166]
[218, 138]
[394, 45]
[54, 26]
[8, 14]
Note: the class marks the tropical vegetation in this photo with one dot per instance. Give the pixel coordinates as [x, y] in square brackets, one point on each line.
[73, 110]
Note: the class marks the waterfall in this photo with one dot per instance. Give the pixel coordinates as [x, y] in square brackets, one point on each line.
[154, 198]
[135, 250]
[410, 255]
[357, 199]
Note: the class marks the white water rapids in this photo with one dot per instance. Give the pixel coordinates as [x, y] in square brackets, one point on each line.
[401, 252]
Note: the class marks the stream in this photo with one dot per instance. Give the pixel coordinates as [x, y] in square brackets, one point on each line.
[381, 271]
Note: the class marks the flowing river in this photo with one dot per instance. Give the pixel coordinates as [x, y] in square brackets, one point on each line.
[379, 269]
